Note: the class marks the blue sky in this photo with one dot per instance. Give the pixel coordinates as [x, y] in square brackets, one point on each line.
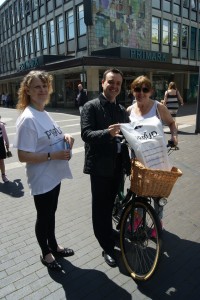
[2, 1]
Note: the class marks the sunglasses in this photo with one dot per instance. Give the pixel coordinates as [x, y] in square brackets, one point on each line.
[145, 90]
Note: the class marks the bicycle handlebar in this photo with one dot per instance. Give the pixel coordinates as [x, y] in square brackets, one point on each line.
[172, 145]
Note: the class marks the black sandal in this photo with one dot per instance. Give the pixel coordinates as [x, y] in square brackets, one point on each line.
[63, 253]
[54, 265]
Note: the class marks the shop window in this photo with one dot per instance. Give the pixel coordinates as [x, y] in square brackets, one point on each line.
[155, 30]
[184, 41]
[24, 45]
[19, 48]
[167, 6]
[41, 8]
[7, 19]
[199, 46]
[184, 36]
[43, 36]
[185, 12]
[59, 3]
[176, 37]
[166, 32]
[34, 4]
[199, 13]
[160, 83]
[70, 24]
[194, 10]
[186, 3]
[49, 6]
[60, 29]
[194, 4]
[11, 13]
[15, 50]
[4, 27]
[51, 33]
[3, 56]
[81, 27]
[36, 39]
[193, 43]
[21, 9]
[8, 57]
[35, 10]
[156, 4]
[35, 16]
[176, 10]
[30, 42]
[27, 7]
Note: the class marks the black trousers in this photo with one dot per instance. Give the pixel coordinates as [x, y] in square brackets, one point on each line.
[46, 206]
[104, 191]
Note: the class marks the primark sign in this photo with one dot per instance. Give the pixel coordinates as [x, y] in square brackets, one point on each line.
[29, 64]
[138, 54]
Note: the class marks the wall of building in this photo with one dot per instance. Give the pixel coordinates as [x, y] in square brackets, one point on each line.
[113, 24]
[120, 23]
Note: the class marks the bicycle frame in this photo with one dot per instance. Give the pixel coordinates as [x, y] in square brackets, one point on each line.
[131, 196]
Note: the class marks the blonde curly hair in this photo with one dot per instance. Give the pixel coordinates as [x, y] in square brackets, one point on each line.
[23, 97]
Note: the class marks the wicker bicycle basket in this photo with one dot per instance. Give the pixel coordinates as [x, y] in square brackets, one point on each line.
[152, 183]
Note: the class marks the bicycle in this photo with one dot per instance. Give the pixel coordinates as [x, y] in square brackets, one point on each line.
[140, 228]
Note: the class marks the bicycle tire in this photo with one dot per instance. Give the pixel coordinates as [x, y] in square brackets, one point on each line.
[140, 251]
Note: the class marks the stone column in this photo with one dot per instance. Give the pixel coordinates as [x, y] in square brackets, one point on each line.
[92, 82]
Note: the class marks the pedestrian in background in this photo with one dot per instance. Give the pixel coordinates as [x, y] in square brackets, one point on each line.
[4, 147]
[3, 99]
[8, 102]
[100, 129]
[40, 142]
[81, 97]
[172, 99]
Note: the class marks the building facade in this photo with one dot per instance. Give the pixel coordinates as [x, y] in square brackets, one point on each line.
[77, 40]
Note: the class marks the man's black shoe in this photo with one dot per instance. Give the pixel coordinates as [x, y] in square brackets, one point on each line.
[109, 259]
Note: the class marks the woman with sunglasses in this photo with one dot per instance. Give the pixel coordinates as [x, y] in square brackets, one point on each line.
[144, 107]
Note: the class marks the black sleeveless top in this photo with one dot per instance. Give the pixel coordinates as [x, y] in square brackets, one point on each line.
[172, 104]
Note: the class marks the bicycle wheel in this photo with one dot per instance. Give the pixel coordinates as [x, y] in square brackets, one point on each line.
[140, 249]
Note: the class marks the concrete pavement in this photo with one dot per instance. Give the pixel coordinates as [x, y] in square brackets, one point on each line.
[22, 276]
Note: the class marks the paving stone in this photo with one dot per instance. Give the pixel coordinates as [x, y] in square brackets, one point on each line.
[87, 276]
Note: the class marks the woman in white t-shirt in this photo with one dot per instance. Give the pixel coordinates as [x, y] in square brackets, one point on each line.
[41, 145]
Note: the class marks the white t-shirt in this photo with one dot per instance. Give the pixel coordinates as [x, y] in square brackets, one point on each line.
[37, 132]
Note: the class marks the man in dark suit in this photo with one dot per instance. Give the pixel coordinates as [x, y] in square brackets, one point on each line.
[100, 130]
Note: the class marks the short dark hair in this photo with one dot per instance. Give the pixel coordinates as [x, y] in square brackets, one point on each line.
[112, 70]
[139, 81]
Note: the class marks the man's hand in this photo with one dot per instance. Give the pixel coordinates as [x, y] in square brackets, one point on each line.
[114, 130]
